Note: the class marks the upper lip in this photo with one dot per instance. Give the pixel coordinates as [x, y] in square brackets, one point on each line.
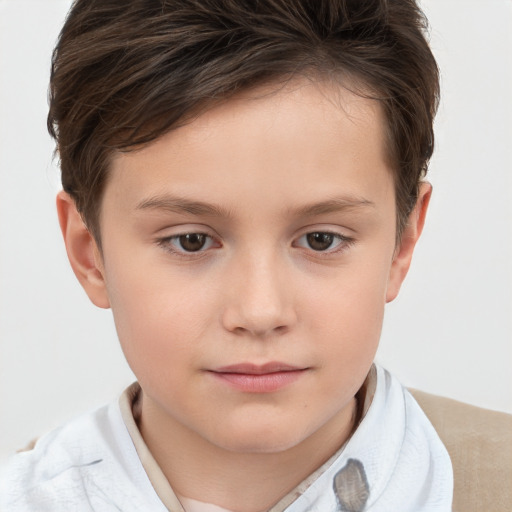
[258, 369]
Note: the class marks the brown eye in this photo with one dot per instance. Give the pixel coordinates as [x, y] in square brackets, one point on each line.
[320, 241]
[189, 244]
[192, 242]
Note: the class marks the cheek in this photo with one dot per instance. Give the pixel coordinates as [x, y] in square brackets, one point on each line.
[158, 318]
[348, 312]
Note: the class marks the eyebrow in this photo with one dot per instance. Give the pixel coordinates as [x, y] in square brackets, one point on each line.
[177, 204]
[182, 205]
[333, 205]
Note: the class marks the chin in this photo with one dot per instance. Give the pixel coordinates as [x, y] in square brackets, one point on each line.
[250, 446]
[265, 439]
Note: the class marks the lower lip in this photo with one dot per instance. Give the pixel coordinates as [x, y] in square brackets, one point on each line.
[265, 383]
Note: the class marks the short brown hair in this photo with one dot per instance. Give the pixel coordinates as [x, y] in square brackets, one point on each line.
[124, 72]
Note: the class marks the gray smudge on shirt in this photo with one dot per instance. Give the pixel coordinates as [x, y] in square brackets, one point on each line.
[351, 487]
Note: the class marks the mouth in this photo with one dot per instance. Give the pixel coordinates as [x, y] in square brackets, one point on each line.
[252, 378]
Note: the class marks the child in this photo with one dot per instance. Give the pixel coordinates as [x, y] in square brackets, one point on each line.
[243, 187]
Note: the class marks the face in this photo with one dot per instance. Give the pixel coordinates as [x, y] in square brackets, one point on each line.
[247, 258]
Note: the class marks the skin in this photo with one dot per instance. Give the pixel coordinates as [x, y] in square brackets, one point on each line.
[271, 168]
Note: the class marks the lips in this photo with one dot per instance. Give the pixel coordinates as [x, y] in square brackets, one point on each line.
[255, 369]
[252, 378]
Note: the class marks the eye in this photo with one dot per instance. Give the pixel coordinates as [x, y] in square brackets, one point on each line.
[188, 242]
[322, 241]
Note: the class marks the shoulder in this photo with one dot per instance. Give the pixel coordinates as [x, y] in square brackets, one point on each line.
[74, 467]
[50, 470]
[479, 442]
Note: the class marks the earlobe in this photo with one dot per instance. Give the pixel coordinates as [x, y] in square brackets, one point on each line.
[83, 252]
[412, 231]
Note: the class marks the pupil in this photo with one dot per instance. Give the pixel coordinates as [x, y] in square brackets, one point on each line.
[192, 242]
[320, 241]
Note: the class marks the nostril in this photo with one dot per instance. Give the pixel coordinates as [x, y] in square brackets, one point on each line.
[260, 333]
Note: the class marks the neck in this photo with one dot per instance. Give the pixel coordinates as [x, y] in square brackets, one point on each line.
[242, 481]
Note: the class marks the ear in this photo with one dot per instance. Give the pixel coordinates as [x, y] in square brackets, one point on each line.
[403, 253]
[83, 252]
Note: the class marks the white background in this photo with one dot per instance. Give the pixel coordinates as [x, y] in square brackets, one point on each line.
[448, 333]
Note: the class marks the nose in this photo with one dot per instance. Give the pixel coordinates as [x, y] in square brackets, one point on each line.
[261, 300]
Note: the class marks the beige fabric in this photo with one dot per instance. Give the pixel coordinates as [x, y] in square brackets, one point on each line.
[130, 412]
[199, 506]
[479, 442]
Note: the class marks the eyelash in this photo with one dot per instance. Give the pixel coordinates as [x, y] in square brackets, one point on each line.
[167, 244]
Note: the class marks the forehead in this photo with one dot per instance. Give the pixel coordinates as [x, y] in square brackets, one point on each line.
[291, 143]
